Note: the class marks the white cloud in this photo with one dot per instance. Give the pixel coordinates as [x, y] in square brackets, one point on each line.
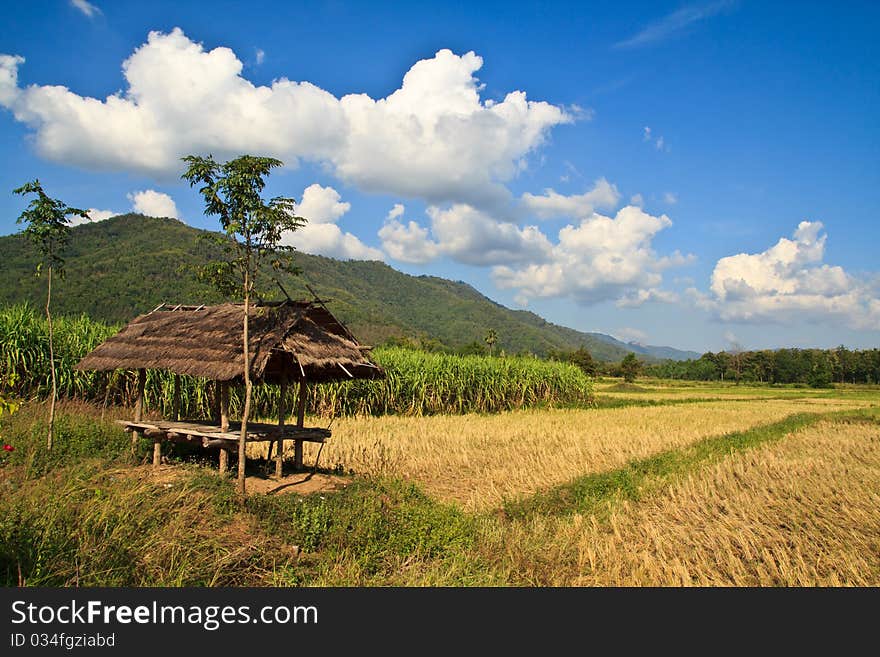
[9, 78]
[96, 215]
[473, 237]
[433, 138]
[407, 242]
[674, 23]
[788, 282]
[151, 203]
[599, 259]
[466, 235]
[576, 206]
[648, 135]
[670, 198]
[85, 7]
[628, 334]
[321, 205]
[637, 200]
[328, 239]
[637, 298]
[260, 56]
[396, 211]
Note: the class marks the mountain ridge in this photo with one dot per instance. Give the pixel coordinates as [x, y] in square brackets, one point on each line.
[129, 264]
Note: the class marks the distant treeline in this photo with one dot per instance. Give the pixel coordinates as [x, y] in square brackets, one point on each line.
[814, 367]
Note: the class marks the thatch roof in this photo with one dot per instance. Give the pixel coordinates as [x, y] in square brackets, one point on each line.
[286, 340]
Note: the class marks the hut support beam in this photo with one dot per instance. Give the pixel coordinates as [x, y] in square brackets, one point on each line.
[157, 451]
[222, 388]
[175, 406]
[215, 408]
[300, 422]
[138, 408]
[282, 413]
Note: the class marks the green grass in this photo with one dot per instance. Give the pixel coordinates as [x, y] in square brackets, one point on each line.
[416, 382]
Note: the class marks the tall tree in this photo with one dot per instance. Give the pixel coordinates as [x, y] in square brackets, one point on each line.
[254, 228]
[48, 228]
[584, 359]
[491, 338]
[630, 367]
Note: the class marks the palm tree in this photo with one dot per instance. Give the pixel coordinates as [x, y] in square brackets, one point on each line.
[491, 338]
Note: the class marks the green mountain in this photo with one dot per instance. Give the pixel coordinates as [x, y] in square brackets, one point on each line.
[127, 265]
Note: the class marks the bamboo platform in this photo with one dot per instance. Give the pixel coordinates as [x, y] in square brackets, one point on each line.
[213, 436]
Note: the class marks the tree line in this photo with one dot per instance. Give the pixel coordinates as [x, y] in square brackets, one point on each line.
[814, 367]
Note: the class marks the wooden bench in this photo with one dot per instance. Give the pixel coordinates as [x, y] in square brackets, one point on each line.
[212, 436]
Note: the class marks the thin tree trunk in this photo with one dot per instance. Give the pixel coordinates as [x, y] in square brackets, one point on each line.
[51, 365]
[247, 389]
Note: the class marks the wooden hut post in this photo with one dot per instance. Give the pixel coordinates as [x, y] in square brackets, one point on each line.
[215, 406]
[157, 450]
[175, 406]
[223, 396]
[137, 434]
[300, 420]
[282, 413]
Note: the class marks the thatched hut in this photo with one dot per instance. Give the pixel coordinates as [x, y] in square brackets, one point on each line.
[290, 342]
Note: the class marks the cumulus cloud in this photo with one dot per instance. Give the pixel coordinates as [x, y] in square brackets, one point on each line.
[787, 282]
[396, 211]
[601, 258]
[466, 235]
[407, 242]
[329, 240]
[433, 138]
[153, 204]
[637, 200]
[551, 204]
[322, 207]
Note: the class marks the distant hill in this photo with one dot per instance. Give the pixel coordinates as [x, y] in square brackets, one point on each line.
[127, 265]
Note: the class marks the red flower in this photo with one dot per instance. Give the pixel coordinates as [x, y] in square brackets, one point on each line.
[8, 448]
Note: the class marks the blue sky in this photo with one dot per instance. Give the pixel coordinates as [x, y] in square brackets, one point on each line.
[713, 165]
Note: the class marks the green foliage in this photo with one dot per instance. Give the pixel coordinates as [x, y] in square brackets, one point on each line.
[376, 522]
[77, 435]
[416, 382]
[47, 224]
[85, 525]
[814, 367]
[584, 360]
[253, 227]
[119, 268]
[630, 368]
[491, 338]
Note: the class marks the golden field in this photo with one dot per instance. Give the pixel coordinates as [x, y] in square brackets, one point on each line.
[478, 461]
[800, 512]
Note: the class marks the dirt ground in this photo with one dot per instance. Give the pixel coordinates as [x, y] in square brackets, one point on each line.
[301, 483]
